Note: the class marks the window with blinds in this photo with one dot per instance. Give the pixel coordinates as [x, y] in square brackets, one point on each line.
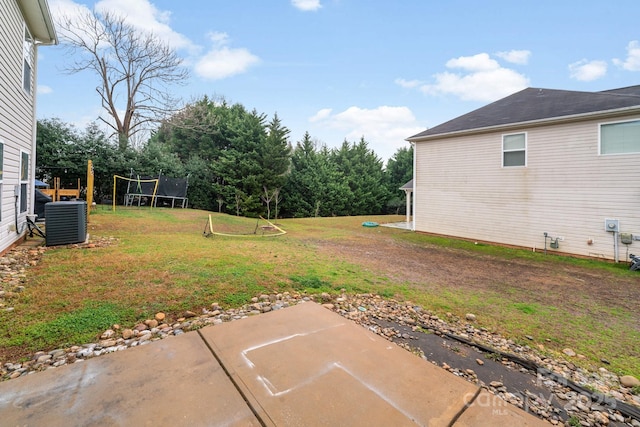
[620, 137]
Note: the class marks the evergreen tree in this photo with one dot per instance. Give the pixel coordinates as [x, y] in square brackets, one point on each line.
[398, 172]
[54, 141]
[155, 158]
[200, 191]
[237, 162]
[63, 152]
[275, 155]
[238, 169]
[399, 168]
[299, 197]
[193, 130]
[314, 187]
[363, 173]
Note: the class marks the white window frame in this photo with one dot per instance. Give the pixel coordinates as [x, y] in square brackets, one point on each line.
[515, 150]
[27, 61]
[600, 125]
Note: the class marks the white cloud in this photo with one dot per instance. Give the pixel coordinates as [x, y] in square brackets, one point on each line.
[484, 86]
[632, 62]
[66, 8]
[479, 62]
[321, 115]
[140, 14]
[384, 128]
[481, 78]
[218, 62]
[306, 5]
[222, 61]
[408, 84]
[218, 38]
[44, 90]
[144, 15]
[586, 71]
[520, 57]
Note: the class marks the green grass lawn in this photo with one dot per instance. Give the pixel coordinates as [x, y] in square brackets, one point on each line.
[162, 262]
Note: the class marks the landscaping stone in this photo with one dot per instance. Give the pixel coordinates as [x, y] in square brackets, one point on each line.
[109, 333]
[140, 327]
[151, 323]
[108, 343]
[629, 381]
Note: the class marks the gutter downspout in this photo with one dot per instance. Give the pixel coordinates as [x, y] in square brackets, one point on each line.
[32, 166]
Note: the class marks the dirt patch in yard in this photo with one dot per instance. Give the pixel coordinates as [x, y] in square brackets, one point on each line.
[578, 290]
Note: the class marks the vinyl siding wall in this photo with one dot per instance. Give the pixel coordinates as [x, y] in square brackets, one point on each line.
[566, 190]
[16, 118]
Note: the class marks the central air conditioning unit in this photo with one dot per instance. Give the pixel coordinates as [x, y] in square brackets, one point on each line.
[66, 223]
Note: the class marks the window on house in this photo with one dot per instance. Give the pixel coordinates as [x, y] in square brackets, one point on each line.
[24, 180]
[514, 150]
[27, 55]
[619, 138]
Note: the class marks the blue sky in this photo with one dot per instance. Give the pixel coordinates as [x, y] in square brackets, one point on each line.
[385, 70]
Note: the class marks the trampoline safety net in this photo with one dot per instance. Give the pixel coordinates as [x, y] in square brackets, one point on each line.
[169, 190]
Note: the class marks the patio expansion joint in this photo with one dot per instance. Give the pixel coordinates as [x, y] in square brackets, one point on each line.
[233, 381]
[466, 406]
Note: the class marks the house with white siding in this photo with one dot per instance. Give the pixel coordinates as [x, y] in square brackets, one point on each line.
[543, 169]
[24, 26]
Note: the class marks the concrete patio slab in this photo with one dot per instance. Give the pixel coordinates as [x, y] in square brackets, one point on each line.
[300, 366]
[173, 382]
[308, 366]
[489, 410]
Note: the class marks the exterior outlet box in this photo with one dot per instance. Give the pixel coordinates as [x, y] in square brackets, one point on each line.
[612, 225]
[626, 238]
[636, 236]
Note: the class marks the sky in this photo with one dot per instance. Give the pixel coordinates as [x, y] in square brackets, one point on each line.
[379, 69]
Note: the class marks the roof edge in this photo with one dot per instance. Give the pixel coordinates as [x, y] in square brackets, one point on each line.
[533, 123]
[38, 18]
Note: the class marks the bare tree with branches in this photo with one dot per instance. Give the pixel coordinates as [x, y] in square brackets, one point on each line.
[267, 197]
[134, 67]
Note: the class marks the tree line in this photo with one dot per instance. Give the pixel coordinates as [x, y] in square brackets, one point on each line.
[237, 161]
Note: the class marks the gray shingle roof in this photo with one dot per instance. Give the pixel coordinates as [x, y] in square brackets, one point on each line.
[407, 186]
[536, 104]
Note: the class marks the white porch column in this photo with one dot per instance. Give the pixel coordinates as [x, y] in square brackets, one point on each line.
[408, 197]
